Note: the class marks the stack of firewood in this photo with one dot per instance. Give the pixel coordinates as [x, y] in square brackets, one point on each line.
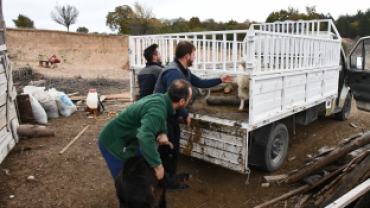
[336, 177]
[229, 98]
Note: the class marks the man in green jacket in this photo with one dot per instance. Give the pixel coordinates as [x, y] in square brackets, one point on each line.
[142, 124]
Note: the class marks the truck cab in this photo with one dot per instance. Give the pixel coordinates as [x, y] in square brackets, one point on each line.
[358, 73]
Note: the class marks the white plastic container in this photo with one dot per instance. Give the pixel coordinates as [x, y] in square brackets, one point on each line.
[92, 99]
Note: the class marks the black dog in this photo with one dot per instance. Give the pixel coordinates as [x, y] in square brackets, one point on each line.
[137, 185]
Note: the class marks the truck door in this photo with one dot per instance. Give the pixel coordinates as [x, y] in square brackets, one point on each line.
[358, 73]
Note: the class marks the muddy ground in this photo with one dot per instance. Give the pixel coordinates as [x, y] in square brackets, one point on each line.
[80, 177]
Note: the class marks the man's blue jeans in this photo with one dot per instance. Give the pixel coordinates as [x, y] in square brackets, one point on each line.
[114, 164]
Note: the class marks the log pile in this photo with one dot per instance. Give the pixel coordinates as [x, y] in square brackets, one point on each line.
[335, 177]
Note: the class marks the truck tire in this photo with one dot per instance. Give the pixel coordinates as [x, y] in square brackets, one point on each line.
[346, 111]
[270, 147]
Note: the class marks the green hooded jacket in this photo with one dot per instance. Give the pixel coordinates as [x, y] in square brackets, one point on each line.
[138, 126]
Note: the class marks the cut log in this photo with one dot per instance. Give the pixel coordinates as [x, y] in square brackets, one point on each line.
[224, 101]
[230, 87]
[265, 185]
[218, 88]
[363, 140]
[271, 179]
[351, 182]
[33, 131]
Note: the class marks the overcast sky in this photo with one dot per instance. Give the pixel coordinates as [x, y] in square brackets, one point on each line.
[93, 13]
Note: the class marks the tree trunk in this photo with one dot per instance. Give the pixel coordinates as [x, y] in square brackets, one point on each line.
[218, 88]
[35, 131]
[225, 101]
[331, 157]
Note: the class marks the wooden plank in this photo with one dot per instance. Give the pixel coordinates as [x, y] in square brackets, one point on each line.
[108, 97]
[350, 196]
[2, 69]
[2, 116]
[3, 95]
[15, 125]
[3, 78]
[3, 132]
[25, 108]
[7, 144]
[3, 98]
[3, 47]
[10, 114]
[270, 179]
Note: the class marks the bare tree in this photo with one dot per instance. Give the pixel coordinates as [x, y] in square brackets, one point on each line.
[65, 15]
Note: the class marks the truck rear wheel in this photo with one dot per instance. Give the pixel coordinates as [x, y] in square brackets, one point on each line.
[346, 111]
[269, 151]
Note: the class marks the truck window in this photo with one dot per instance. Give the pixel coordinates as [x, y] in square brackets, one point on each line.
[356, 59]
[367, 54]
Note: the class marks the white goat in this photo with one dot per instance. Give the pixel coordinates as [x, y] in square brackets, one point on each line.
[243, 84]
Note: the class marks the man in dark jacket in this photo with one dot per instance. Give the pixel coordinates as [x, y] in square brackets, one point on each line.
[148, 76]
[142, 124]
[178, 69]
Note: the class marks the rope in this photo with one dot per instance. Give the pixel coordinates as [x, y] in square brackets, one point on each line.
[104, 119]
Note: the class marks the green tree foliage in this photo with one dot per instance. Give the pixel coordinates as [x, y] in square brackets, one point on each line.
[65, 15]
[194, 24]
[120, 19]
[282, 15]
[351, 26]
[23, 22]
[82, 30]
[363, 28]
[141, 20]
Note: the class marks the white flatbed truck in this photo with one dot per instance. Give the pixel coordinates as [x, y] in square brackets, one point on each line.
[294, 68]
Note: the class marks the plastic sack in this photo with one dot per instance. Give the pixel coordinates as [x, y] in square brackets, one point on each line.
[53, 93]
[65, 105]
[39, 114]
[49, 104]
[34, 91]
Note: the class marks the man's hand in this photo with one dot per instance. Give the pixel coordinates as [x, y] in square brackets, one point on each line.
[187, 121]
[162, 139]
[227, 78]
[159, 172]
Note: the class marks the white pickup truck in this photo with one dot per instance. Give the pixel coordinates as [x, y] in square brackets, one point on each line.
[294, 68]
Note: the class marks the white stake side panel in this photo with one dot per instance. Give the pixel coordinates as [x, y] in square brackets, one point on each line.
[268, 48]
[276, 95]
